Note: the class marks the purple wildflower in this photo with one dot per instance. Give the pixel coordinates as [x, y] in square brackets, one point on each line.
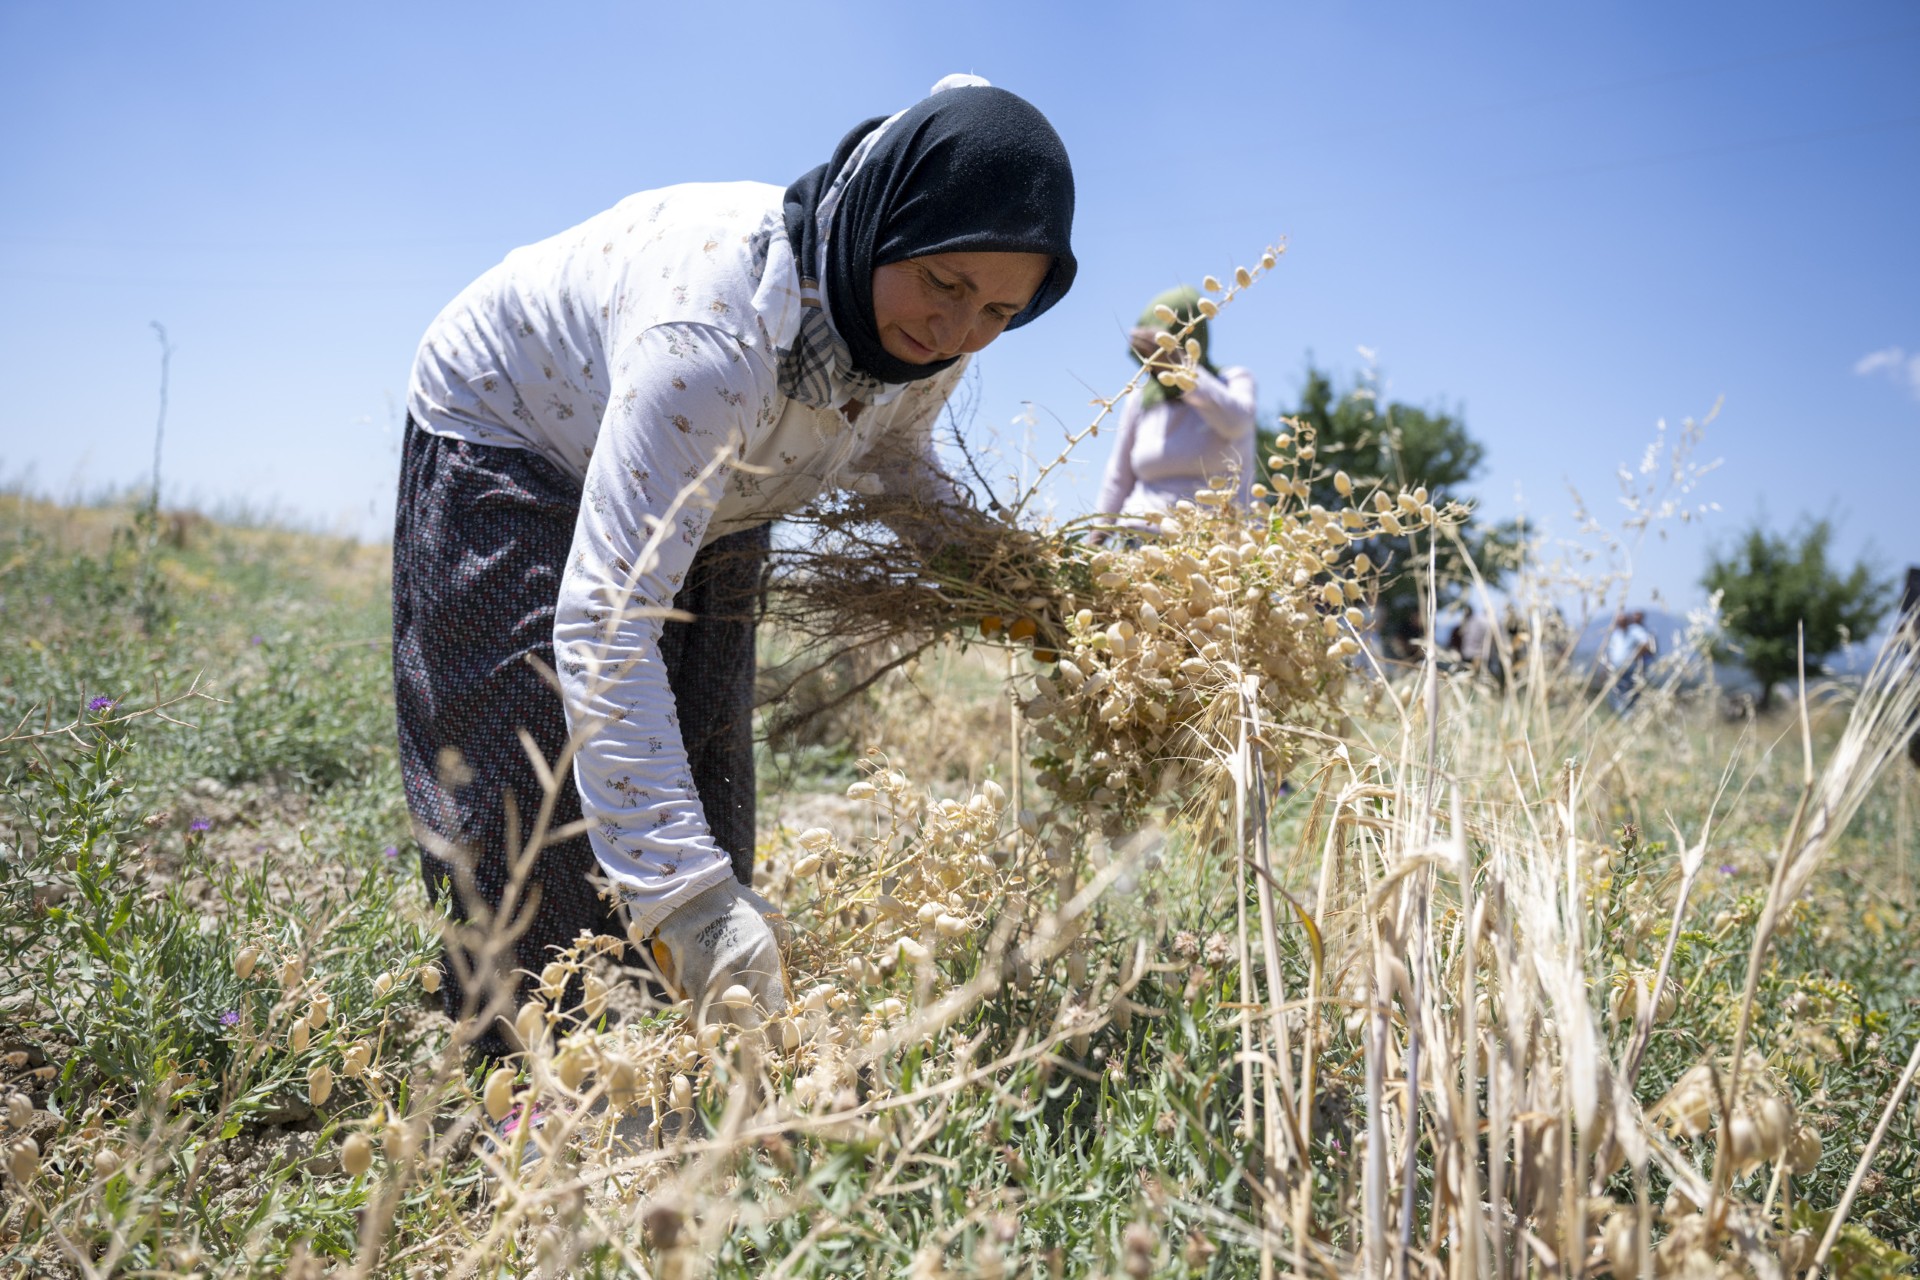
[231, 1018]
[258, 640]
[390, 852]
[102, 703]
[1727, 868]
[200, 824]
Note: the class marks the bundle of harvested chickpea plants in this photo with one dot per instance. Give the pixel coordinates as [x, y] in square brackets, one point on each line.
[1158, 640]
[1499, 984]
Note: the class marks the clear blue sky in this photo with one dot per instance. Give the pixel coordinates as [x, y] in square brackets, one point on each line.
[1567, 222]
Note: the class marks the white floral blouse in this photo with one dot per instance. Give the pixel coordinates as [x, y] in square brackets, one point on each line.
[1162, 454]
[657, 352]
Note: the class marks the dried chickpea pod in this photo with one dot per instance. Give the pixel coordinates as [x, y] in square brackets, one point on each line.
[1620, 1242]
[1210, 284]
[319, 1084]
[1744, 1142]
[1803, 1150]
[531, 1023]
[593, 996]
[356, 1154]
[244, 961]
[1773, 1123]
[400, 1141]
[497, 1096]
[429, 978]
[623, 1083]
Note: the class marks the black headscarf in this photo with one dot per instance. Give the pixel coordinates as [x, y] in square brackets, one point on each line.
[967, 169]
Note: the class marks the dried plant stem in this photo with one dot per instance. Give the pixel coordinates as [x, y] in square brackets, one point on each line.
[1243, 943]
[1762, 939]
[1016, 753]
[1467, 1214]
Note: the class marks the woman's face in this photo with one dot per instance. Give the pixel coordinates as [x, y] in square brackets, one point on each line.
[950, 304]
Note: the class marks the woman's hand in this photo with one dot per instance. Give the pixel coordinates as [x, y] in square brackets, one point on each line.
[719, 945]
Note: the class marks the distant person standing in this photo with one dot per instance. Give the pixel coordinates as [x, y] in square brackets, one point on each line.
[1629, 655]
[1170, 443]
[1472, 640]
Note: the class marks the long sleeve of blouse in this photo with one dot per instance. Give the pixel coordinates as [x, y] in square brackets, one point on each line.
[686, 400]
[1225, 403]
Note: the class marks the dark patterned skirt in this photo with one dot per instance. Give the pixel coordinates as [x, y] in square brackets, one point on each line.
[481, 537]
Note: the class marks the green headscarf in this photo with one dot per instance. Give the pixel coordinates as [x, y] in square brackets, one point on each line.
[1185, 302]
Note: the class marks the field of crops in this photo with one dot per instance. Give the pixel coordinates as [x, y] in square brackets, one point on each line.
[1498, 984]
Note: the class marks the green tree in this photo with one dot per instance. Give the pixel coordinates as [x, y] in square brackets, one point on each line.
[1771, 587]
[1402, 446]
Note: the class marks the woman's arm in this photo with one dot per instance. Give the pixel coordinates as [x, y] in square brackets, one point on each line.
[1225, 403]
[685, 401]
[903, 462]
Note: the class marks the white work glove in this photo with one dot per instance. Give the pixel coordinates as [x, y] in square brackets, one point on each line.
[719, 939]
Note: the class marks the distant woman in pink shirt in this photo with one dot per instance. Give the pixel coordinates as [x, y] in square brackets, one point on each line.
[1170, 442]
